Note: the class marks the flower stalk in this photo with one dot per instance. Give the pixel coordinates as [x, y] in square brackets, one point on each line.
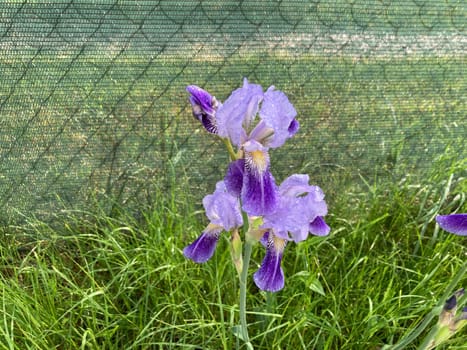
[243, 284]
[230, 149]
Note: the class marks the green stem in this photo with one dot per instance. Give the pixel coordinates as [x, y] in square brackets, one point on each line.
[243, 282]
[232, 154]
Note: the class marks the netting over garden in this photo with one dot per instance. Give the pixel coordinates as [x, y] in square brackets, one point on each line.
[93, 102]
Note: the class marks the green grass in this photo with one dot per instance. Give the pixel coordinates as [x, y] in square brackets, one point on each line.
[121, 282]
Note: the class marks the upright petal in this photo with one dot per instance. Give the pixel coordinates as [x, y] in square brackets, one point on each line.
[278, 114]
[316, 205]
[295, 185]
[454, 223]
[259, 191]
[204, 107]
[202, 249]
[270, 276]
[237, 113]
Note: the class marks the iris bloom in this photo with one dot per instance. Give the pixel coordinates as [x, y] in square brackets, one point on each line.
[236, 120]
[300, 211]
[454, 223]
[223, 211]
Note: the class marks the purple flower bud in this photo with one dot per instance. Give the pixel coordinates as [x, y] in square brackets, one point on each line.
[204, 107]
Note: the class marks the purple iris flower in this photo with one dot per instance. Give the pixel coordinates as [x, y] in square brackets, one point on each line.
[300, 211]
[453, 223]
[251, 178]
[223, 211]
[204, 107]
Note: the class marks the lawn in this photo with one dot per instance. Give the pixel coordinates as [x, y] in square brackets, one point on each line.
[121, 282]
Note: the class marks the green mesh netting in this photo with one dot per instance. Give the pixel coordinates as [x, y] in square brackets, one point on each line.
[93, 102]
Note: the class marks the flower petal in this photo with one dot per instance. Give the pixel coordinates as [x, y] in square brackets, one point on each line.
[238, 112]
[200, 97]
[299, 205]
[319, 227]
[295, 185]
[261, 133]
[270, 276]
[202, 249]
[259, 191]
[278, 114]
[454, 223]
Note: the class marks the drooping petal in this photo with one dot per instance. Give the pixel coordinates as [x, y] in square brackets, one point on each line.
[204, 107]
[270, 276]
[278, 114]
[222, 208]
[319, 227]
[237, 113]
[264, 239]
[454, 223]
[234, 177]
[259, 191]
[202, 249]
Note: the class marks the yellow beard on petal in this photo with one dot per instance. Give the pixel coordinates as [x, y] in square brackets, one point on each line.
[279, 243]
[258, 160]
[212, 227]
